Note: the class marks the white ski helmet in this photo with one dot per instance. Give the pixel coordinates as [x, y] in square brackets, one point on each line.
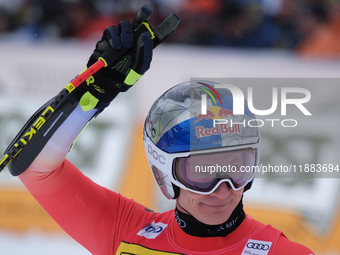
[197, 151]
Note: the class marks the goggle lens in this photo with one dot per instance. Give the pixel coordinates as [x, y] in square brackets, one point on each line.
[204, 172]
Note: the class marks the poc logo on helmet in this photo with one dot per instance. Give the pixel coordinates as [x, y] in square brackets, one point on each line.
[160, 158]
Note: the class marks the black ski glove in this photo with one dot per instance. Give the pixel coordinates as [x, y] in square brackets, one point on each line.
[127, 52]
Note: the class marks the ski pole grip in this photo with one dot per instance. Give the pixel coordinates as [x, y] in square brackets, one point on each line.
[159, 35]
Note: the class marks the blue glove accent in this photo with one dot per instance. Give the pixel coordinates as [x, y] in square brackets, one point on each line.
[115, 37]
[126, 34]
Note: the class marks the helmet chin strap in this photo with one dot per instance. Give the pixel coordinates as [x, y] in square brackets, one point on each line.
[176, 191]
[177, 203]
[190, 225]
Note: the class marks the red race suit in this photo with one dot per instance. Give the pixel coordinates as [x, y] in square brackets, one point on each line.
[105, 222]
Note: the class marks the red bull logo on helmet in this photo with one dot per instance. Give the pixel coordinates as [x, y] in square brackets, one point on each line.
[215, 112]
[217, 130]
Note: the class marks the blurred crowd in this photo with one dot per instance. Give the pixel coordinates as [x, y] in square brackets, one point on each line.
[309, 27]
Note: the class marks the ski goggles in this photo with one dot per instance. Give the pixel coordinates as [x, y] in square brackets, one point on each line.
[203, 173]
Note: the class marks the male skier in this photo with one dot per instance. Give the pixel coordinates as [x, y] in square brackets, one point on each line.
[209, 216]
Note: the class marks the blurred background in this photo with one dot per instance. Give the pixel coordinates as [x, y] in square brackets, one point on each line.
[44, 44]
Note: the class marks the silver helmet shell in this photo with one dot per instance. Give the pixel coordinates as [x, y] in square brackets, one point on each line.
[175, 128]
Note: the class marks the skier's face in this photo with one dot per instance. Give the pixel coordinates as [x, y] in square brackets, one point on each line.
[212, 209]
